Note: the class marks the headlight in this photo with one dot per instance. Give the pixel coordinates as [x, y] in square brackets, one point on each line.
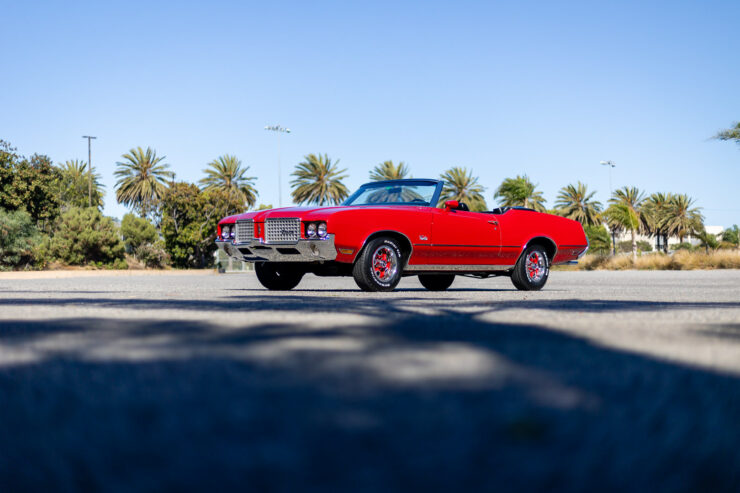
[321, 230]
[225, 231]
[311, 230]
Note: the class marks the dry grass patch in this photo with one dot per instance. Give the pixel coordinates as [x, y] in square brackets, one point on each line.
[681, 260]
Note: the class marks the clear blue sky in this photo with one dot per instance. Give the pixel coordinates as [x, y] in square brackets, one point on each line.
[543, 88]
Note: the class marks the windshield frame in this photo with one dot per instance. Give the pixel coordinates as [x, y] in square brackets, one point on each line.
[407, 182]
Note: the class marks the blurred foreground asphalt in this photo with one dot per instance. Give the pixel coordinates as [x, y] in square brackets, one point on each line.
[604, 381]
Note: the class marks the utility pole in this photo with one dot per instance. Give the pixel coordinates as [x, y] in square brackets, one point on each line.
[611, 165]
[89, 170]
[279, 130]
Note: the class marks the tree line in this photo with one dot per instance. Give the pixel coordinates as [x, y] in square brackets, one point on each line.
[53, 213]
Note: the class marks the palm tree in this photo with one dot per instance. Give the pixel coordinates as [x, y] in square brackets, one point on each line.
[389, 171]
[520, 192]
[707, 240]
[142, 180]
[226, 173]
[655, 214]
[574, 202]
[318, 181]
[74, 185]
[732, 133]
[625, 212]
[461, 185]
[681, 218]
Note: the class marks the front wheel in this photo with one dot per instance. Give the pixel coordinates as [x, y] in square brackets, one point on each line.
[436, 282]
[531, 270]
[379, 266]
[278, 277]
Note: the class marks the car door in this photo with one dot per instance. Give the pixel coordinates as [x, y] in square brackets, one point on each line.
[464, 238]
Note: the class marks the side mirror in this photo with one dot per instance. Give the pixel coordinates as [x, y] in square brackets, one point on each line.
[451, 204]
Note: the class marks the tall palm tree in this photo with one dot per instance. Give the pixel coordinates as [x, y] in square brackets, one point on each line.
[575, 202]
[74, 186]
[318, 181]
[389, 171]
[681, 218]
[461, 185]
[520, 192]
[226, 173]
[142, 180]
[625, 211]
[655, 214]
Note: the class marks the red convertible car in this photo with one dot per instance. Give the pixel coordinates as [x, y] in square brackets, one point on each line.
[390, 229]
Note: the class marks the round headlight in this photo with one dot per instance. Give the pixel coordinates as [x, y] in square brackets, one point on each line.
[225, 231]
[321, 230]
[311, 229]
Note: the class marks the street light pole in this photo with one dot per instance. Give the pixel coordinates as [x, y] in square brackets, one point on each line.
[89, 170]
[611, 165]
[279, 130]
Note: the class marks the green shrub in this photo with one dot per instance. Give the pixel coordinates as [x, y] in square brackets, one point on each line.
[136, 232]
[85, 236]
[18, 236]
[152, 256]
[598, 239]
[731, 235]
[189, 220]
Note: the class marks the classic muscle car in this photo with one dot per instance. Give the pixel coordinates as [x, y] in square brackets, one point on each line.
[390, 229]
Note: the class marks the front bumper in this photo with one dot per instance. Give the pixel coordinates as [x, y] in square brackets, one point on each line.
[313, 250]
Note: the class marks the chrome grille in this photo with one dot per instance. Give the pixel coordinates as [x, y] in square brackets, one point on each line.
[282, 230]
[244, 231]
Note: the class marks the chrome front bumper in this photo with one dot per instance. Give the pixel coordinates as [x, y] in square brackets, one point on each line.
[301, 251]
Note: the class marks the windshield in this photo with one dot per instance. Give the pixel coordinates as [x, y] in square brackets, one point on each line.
[401, 193]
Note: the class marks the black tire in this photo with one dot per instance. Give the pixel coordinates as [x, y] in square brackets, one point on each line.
[370, 277]
[277, 276]
[436, 282]
[534, 277]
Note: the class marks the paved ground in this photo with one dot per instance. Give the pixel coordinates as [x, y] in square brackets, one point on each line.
[603, 381]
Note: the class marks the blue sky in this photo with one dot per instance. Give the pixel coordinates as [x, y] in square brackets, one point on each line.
[543, 88]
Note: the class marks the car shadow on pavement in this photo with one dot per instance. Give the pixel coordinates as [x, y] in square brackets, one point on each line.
[386, 398]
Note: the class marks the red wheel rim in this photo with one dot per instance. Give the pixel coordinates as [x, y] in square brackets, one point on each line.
[384, 264]
[535, 266]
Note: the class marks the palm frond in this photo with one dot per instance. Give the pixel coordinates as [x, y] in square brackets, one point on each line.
[318, 181]
[389, 171]
[461, 185]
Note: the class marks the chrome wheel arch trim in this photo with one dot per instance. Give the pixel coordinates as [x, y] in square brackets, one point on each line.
[380, 233]
[539, 237]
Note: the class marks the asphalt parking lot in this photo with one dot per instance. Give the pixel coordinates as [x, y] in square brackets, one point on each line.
[604, 381]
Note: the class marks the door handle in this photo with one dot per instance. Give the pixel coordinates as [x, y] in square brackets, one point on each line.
[493, 221]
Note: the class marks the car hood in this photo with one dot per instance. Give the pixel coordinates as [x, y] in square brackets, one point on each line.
[311, 213]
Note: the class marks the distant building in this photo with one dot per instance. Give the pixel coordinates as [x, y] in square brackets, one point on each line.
[672, 240]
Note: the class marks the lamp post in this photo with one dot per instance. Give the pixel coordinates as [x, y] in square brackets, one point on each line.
[89, 170]
[279, 130]
[611, 165]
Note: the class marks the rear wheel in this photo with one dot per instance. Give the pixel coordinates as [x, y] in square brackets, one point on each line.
[379, 266]
[277, 276]
[436, 282]
[531, 270]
